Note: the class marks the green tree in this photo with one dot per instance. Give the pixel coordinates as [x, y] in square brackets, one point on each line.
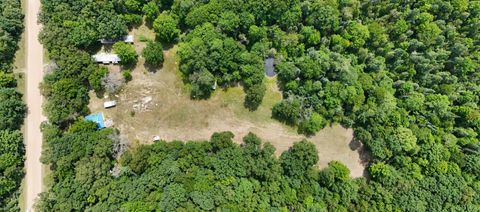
[287, 111]
[153, 53]
[151, 11]
[254, 96]
[298, 160]
[126, 52]
[166, 28]
[67, 100]
[229, 23]
[202, 84]
[312, 125]
[7, 80]
[95, 79]
[12, 109]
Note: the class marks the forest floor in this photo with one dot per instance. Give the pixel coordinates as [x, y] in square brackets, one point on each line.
[172, 115]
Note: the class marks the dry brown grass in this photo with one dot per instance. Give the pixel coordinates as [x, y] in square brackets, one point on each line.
[172, 115]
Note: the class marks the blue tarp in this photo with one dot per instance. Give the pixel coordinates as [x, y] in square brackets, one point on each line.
[97, 118]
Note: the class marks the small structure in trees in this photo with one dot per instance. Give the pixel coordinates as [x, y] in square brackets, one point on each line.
[106, 58]
[126, 39]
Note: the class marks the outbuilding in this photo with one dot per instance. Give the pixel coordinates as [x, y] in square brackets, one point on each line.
[126, 39]
[109, 104]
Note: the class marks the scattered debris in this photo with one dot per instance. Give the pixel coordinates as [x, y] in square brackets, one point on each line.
[156, 138]
[108, 122]
[147, 99]
[113, 82]
[142, 104]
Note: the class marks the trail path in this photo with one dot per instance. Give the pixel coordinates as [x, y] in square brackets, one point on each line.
[34, 75]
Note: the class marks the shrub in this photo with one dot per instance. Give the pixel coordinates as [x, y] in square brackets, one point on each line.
[254, 96]
[127, 75]
[315, 123]
[153, 53]
[126, 52]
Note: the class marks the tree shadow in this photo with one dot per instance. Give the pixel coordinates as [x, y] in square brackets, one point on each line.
[129, 66]
[94, 48]
[148, 24]
[363, 152]
[167, 46]
[152, 68]
[100, 94]
[136, 25]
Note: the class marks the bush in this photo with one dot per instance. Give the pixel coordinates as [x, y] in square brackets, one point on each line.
[153, 53]
[287, 111]
[126, 52]
[202, 84]
[95, 79]
[315, 123]
[127, 75]
[7, 80]
[254, 96]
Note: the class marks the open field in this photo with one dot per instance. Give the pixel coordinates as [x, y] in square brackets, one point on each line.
[172, 115]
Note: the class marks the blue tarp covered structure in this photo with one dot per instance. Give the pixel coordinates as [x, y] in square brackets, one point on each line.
[97, 118]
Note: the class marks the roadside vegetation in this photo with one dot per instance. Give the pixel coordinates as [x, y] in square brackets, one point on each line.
[403, 75]
[12, 108]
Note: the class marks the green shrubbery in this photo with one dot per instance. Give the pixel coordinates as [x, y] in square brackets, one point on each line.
[12, 109]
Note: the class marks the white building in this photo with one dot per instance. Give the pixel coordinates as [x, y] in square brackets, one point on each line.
[106, 58]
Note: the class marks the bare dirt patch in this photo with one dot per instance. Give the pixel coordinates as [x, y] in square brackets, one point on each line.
[172, 115]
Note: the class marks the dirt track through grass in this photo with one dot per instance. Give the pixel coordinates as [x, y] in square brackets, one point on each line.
[172, 115]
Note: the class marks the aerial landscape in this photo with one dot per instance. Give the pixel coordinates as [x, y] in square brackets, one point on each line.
[239, 105]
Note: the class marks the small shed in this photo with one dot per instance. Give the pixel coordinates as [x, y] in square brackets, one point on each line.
[270, 67]
[109, 104]
[128, 39]
[106, 58]
[97, 118]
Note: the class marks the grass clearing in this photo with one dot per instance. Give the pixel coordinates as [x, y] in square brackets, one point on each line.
[172, 115]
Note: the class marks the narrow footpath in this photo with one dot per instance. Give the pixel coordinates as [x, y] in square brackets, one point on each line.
[33, 135]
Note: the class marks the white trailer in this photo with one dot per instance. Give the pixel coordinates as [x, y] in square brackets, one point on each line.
[109, 104]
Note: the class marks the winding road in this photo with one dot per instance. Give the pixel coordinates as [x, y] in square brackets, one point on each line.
[33, 135]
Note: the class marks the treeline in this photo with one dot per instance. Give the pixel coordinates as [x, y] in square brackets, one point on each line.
[404, 75]
[192, 176]
[12, 109]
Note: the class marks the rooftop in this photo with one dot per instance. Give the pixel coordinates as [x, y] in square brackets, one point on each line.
[106, 58]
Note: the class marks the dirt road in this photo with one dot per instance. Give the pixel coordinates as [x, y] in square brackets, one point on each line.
[34, 75]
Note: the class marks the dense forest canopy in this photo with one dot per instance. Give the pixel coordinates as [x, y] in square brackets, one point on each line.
[403, 74]
[12, 109]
